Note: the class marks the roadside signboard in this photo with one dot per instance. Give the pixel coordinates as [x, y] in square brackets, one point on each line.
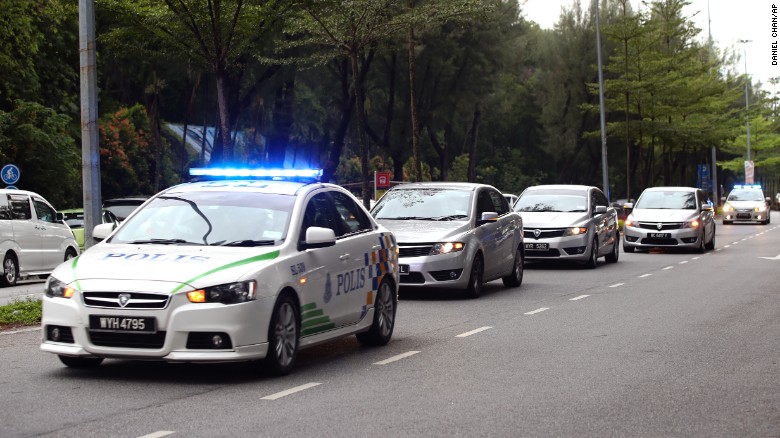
[749, 172]
[10, 174]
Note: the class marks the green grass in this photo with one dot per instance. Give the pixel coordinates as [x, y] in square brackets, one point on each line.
[21, 312]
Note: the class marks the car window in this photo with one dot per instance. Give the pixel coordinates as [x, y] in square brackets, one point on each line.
[600, 198]
[44, 211]
[20, 207]
[5, 208]
[484, 203]
[500, 204]
[353, 218]
[746, 195]
[319, 213]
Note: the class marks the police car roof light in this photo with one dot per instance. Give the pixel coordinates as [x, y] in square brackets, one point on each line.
[224, 172]
[747, 186]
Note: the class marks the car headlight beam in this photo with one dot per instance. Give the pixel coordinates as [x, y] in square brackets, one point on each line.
[575, 231]
[57, 288]
[230, 293]
[447, 247]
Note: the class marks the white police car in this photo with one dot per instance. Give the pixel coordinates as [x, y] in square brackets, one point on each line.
[229, 269]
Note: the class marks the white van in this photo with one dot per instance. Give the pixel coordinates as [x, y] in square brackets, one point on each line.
[33, 238]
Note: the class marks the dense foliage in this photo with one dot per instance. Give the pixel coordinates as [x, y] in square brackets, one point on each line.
[427, 89]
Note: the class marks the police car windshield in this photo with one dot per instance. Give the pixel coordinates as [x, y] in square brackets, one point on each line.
[667, 200]
[424, 204]
[210, 218]
[552, 200]
[746, 195]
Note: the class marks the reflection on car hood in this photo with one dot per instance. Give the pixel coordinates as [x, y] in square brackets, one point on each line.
[169, 263]
[746, 204]
[551, 219]
[411, 231]
[652, 215]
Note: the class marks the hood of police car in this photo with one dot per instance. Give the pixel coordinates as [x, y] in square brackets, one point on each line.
[175, 264]
[413, 231]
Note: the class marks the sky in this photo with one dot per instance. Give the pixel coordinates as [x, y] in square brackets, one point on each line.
[730, 21]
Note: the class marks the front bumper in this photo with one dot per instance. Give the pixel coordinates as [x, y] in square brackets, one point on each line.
[637, 237]
[572, 248]
[744, 215]
[437, 271]
[179, 326]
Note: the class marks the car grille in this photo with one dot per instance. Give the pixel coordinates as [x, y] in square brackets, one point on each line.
[128, 340]
[413, 278]
[137, 300]
[666, 242]
[407, 250]
[544, 233]
[664, 226]
[552, 252]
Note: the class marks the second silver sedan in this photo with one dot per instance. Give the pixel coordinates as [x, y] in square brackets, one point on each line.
[453, 235]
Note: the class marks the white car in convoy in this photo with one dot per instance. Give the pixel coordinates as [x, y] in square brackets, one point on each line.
[33, 237]
[230, 269]
[747, 204]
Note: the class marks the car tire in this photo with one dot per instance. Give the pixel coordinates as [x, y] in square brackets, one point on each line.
[283, 336]
[711, 244]
[474, 289]
[10, 270]
[613, 256]
[594, 255]
[70, 253]
[515, 278]
[384, 317]
[80, 362]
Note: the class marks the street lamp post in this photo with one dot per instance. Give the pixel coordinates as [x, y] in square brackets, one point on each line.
[601, 107]
[747, 102]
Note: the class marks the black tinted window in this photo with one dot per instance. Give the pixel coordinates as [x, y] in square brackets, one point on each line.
[20, 207]
[353, 219]
[318, 214]
[499, 202]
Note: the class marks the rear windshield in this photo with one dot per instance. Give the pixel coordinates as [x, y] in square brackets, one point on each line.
[667, 200]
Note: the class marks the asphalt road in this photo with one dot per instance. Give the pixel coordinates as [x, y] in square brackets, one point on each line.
[659, 344]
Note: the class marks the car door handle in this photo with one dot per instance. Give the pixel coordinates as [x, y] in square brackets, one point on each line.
[376, 247]
[344, 257]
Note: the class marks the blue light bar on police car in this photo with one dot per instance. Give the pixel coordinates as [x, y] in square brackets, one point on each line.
[255, 173]
[747, 186]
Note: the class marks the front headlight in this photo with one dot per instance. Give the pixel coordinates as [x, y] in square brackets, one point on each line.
[760, 208]
[575, 231]
[693, 223]
[728, 207]
[447, 247]
[56, 288]
[230, 293]
[629, 222]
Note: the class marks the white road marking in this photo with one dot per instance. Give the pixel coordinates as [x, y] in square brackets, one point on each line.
[645, 275]
[395, 358]
[279, 395]
[579, 297]
[720, 248]
[727, 246]
[668, 268]
[541, 309]
[736, 243]
[696, 258]
[481, 329]
[683, 262]
[20, 331]
[617, 284]
[158, 434]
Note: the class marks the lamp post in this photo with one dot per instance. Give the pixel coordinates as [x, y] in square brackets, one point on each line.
[747, 102]
[601, 107]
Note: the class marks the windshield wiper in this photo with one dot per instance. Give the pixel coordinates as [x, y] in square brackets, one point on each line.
[163, 242]
[249, 242]
[450, 217]
[409, 218]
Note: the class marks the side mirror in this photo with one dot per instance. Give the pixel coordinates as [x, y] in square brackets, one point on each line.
[488, 216]
[768, 199]
[317, 237]
[722, 199]
[599, 209]
[59, 217]
[100, 232]
[706, 207]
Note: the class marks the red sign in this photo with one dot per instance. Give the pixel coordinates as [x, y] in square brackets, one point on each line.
[382, 180]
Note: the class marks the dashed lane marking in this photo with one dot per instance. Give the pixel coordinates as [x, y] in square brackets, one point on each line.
[668, 268]
[579, 297]
[541, 309]
[617, 284]
[158, 434]
[395, 358]
[645, 275]
[696, 258]
[279, 395]
[481, 329]
[683, 262]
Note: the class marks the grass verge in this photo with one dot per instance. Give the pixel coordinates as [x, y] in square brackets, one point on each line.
[24, 312]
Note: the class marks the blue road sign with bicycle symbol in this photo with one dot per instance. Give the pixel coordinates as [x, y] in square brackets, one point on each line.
[10, 174]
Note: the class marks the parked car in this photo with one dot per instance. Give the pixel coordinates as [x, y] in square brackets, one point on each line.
[123, 207]
[510, 198]
[672, 217]
[568, 222]
[240, 269]
[453, 235]
[33, 237]
[74, 217]
[747, 204]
